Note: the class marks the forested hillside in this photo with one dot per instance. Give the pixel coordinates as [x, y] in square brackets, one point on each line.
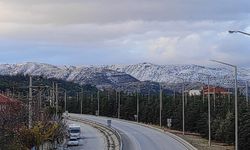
[196, 116]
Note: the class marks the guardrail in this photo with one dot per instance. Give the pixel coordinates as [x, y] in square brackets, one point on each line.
[113, 138]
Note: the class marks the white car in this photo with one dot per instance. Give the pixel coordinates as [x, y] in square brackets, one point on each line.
[74, 131]
[73, 142]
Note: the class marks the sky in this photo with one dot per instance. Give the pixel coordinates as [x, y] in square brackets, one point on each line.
[93, 32]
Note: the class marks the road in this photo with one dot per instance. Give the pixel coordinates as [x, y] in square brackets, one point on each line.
[91, 138]
[137, 137]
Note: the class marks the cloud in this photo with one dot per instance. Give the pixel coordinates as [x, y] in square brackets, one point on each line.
[106, 11]
[111, 31]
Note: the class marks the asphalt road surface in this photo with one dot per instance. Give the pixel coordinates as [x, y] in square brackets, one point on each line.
[137, 137]
[91, 138]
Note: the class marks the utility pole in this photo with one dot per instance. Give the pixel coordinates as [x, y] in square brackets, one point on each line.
[56, 99]
[203, 95]
[108, 96]
[65, 101]
[82, 99]
[98, 103]
[137, 104]
[53, 94]
[183, 104]
[174, 94]
[186, 96]
[160, 104]
[30, 103]
[148, 96]
[77, 97]
[183, 109]
[209, 111]
[50, 97]
[119, 104]
[229, 101]
[214, 99]
[116, 103]
[209, 108]
[40, 99]
[247, 92]
[236, 107]
[235, 95]
[91, 99]
[18, 96]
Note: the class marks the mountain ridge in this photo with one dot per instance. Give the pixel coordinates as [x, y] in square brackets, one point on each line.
[116, 75]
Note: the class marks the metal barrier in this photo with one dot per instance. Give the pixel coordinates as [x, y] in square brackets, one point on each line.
[114, 140]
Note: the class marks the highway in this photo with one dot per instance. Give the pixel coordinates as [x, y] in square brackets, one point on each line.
[91, 138]
[137, 137]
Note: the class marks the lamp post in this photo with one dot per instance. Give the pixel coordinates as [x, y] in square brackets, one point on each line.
[209, 107]
[118, 100]
[65, 100]
[137, 104]
[247, 92]
[183, 106]
[209, 111]
[160, 103]
[30, 102]
[98, 103]
[236, 94]
[233, 31]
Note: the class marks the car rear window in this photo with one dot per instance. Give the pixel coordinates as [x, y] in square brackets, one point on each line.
[73, 139]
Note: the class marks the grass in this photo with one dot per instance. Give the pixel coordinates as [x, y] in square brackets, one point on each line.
[197, 141]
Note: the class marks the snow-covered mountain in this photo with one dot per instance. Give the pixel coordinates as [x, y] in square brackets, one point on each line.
[84, 75]
[118, 75]
[173, 73]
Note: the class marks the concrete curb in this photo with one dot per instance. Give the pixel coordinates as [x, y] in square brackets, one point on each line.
[179, 139]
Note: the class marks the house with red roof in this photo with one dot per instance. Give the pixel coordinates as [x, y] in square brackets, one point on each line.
[215, 90]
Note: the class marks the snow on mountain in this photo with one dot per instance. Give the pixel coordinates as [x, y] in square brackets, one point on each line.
[170, 73]
[82, 75]
[117, 75]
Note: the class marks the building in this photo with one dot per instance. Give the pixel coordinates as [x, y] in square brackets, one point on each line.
[8, 104]
[215, 90]
[194, 92]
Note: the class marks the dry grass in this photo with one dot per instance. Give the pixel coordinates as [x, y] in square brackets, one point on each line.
[200, 143]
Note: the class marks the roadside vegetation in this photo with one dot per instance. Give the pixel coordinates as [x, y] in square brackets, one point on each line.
[47, 129]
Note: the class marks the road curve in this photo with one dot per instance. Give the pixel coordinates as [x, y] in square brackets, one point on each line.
[137, 137]
[91, 138]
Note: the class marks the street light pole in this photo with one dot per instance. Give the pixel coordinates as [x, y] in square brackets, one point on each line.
[203, 95]
[209, 112]
[209, 107]
[247, 92]
[160, 104]
[56, 99]
[214, 98]
[236, 98]
[81, 99]
[183, 109]
[119, 104]
[137, 108]
[53, 94]
[30, 103]
[183, 105]
[65, 101]
[98, 103]
[231, 31]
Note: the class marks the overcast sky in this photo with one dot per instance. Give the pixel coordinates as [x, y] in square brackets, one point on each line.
[77, 32]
